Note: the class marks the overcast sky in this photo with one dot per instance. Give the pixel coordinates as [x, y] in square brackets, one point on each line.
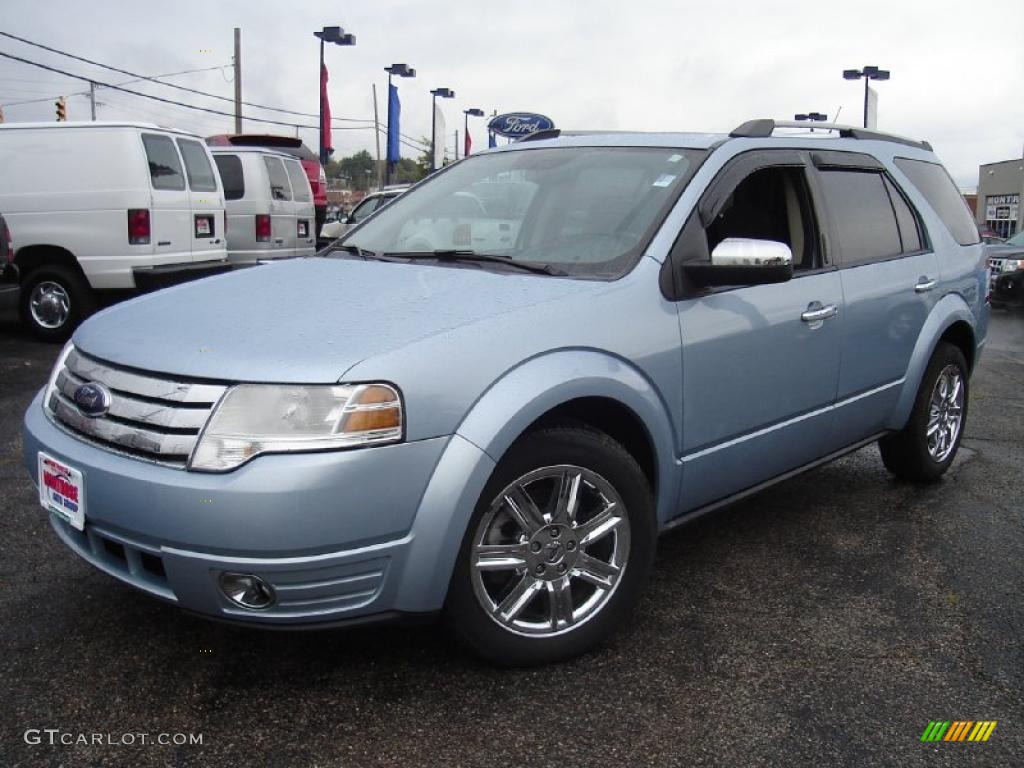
[957, 67]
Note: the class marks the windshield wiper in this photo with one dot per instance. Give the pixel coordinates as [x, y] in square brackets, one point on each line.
[451, 254]
[351, 248]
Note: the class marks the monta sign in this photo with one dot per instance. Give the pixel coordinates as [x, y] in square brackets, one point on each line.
[516, 125]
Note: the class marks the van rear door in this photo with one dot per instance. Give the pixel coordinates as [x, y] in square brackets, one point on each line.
[302, 204]
[171, 212]
[207, 227]
[282, 210]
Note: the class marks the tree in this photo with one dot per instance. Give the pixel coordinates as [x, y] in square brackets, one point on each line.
[360, 169]
[407, 171]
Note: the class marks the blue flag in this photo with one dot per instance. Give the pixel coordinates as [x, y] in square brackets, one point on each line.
[492, 140]
[394, 115]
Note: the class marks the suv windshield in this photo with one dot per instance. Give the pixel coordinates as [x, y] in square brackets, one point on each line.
[586, 210]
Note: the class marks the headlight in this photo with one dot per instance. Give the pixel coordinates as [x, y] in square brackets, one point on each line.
[1011, 265]
[262, 418]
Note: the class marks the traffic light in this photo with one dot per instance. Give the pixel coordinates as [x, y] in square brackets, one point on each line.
[62, 109]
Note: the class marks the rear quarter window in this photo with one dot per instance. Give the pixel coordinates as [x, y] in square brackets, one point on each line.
[934, 183]
[280, 189]
[300, 184]
[231, 176]
[164, 164]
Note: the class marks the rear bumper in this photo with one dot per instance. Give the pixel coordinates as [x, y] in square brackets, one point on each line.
[152, 278]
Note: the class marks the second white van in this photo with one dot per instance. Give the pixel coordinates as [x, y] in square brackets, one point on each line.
[269, 204]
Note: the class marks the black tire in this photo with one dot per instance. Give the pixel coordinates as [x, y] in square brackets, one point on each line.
[906, 453]
[81, 301]
[553, 446]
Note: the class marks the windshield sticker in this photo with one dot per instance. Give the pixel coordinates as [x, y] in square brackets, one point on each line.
[664, 180]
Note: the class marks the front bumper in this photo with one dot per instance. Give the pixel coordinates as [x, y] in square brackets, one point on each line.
[339, 535]
[1009, 288]
[163, 276]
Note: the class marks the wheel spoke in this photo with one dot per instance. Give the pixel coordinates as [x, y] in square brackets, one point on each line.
[598, 526]
[561, 610]
[595, 571]
[524, 511]
[520, 596]
[955, 390]
[499, 557]
[568, 498]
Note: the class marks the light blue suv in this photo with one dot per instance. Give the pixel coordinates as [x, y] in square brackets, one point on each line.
[490, 397]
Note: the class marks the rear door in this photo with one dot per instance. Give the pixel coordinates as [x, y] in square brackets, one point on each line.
[282, 211]
[207, 204]
[171, 209]
[302, 203]
[888, 272]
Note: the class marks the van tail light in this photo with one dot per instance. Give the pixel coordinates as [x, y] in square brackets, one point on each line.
[262, 228]
[138, 226]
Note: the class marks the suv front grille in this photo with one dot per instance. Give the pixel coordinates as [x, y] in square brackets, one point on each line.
[149, 417]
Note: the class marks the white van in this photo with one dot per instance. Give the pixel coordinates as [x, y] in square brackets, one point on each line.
[269, 204]
[105, 206]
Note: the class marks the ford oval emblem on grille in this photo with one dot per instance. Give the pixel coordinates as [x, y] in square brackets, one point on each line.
[92, 399]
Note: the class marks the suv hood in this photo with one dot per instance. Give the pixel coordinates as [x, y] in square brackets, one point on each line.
[304, 320]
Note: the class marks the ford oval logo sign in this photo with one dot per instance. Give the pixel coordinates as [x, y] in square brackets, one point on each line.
[92, 399]
[516, 125]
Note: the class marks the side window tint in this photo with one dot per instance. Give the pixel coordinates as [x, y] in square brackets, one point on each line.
[230, 167]
[910, 229]
[279, 187]
[770, 204]
[200, 173]
[863, 217]
[164, 165]
[938, 189]
[365, 209]
[300, 184]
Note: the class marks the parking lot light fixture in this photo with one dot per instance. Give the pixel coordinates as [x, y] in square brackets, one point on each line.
[475, 112]
[444, 93]
[868, 73]
[337, 36]
[812, 116]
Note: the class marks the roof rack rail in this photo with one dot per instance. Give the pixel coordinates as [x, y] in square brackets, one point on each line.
[765, 127]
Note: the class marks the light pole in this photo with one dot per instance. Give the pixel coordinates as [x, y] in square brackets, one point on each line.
[475, 112]
[444, 93]
[868, 73]
[338, 36]
[402, 70]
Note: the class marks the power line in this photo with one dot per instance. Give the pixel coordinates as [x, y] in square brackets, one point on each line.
[175, 85]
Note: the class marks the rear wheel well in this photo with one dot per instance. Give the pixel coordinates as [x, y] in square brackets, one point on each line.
[960, 335]
[614, 419]
[32, 257]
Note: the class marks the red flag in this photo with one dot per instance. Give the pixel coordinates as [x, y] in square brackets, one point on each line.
[326, 127]
[469, 145]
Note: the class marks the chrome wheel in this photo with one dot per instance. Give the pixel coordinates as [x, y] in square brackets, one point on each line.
[50, 304]
[945, 413]
[550, 551]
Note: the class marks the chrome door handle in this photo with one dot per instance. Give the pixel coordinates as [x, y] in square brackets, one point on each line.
[813, 315]
[924, 284]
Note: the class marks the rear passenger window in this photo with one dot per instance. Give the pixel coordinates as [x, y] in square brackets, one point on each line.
[863, 216]
[230, 167]
[279, 188]
[910, 229]
[164, 166]
[938, 189]
[300, 184]
[200, 173]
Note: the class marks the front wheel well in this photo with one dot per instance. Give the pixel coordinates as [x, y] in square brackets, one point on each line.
[961, 335]
[615, 420]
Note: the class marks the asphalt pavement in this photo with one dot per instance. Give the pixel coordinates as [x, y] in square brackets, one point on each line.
[823, 622]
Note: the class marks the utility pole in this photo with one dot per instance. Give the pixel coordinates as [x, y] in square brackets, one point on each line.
[238, 80]
[376, 131]
[456, 145]
[92, 99]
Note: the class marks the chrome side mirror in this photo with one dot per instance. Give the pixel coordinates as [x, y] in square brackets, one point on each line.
[745, 252]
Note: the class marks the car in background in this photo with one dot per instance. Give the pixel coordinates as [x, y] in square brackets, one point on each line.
[268, 204]
[289, 145]
[8, 271]
[1006, 271]
[369, 204]
[103, 207]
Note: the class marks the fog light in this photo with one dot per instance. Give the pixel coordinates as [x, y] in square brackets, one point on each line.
[247, 590]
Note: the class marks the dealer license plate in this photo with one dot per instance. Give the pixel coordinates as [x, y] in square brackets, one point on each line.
[62, 491]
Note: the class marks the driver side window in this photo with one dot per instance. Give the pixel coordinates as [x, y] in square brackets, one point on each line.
[770, 204]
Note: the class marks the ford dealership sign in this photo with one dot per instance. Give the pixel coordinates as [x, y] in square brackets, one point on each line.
[516, 125]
